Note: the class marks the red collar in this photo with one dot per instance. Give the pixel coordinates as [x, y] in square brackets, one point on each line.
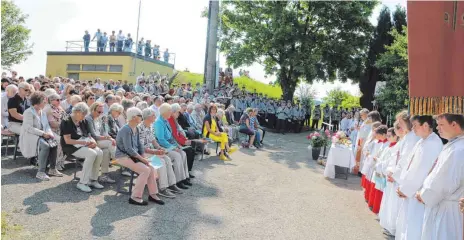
[392, 144]
[383, 141]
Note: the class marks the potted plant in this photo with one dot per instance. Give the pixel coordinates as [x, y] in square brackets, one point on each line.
[318, 140]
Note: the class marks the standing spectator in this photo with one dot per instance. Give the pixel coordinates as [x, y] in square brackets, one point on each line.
[37, 139]
[128, 43]
[156, 52]
[140, 46]
[10, 92]
[112, 41]
[103, 42]
[121, 39]
[76, 141]
[16, 107]
[148, 48]
[97, 35]
[86, 39]
[166, 55]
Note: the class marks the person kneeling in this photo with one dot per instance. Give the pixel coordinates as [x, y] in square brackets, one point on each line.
[130, 154]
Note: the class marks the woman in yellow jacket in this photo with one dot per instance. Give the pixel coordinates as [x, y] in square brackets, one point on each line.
[212, 131]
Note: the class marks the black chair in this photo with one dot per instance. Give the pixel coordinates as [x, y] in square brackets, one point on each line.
[120, 183]
[76, 161]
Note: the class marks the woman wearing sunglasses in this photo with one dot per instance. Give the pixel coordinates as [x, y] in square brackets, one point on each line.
[97, 122]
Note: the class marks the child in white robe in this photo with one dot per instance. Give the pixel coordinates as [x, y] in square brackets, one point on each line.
[367, 149]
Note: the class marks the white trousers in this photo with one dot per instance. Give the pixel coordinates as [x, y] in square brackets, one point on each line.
[166, 175]
[108, 153]
[179, 163]
[15, 127]
[93, 158]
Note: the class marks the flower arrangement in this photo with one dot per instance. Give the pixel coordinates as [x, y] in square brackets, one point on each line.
[319, 139]
[341, 138]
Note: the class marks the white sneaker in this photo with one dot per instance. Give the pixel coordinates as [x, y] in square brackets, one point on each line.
[42, 176]
[54, 172]
[95, 184]
[106, 179]
[126, 173]
[83, 187]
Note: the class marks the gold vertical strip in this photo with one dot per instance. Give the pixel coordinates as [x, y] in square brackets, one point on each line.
[411, 106]
[424, 106]
[450, 104]
[460, 105]
[446, 105]
[430, 107]
[421, 99]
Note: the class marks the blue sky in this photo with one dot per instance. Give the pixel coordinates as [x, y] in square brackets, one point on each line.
[173, 24]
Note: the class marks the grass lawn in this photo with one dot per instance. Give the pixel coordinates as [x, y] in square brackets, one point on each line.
[250, 84]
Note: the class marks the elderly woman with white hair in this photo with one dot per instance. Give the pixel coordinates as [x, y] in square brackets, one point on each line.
[113, 123]
[142, 105]
[126, 104]
[76, 141]
[130, 153]
[164, 134]
[55, 113]
[167, 178]
[10, 91]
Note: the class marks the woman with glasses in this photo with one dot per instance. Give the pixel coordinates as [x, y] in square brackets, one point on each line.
[96, 122]
[16, 107]
[37, 138]
[89, 98]
[55, 113]
[130, 154]
[76, 141]
[114, 112]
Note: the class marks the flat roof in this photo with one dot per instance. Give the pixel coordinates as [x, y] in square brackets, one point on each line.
[128, 54]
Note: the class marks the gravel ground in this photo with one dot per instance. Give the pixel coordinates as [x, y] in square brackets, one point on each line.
[274, 193]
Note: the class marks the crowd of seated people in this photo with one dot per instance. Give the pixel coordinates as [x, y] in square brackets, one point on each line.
[59, 118]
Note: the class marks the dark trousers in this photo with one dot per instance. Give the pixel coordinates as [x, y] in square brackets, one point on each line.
[335, 125]
[190, 157]
[120, 45]
[112, 46]
[325, 126]
[271, 120]
[86, 46]
[236, 116]
[297, 125]
[306, 121]
[280, 125]
[315, 124]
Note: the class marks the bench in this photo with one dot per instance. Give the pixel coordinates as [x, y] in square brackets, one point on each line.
[119, 186]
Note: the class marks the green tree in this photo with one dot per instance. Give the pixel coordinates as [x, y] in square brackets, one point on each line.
[372, 74]
[399, 18]
[15, 35]
[298, 40]
[336, 96]
[393, 97]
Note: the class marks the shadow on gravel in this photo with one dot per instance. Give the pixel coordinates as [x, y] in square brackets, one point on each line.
[9, 163]
[353, 182]
[21, 176]
[63, 193]
[171, 221]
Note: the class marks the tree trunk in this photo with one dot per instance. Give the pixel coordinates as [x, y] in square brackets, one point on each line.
[287, 85]
[367, 87]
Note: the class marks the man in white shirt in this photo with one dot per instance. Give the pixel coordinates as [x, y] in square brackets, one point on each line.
[346, 124]
[98, 84]
[419, 165]
[120, 42]
[444, 186]
[157, 101]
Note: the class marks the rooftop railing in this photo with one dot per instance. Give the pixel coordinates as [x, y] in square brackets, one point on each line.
[78, 46]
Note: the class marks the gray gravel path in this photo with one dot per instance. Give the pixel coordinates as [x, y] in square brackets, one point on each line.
[275, 193]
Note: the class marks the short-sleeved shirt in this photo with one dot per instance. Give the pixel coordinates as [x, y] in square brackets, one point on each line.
[67, 127]
[146, 134]
[19, 104]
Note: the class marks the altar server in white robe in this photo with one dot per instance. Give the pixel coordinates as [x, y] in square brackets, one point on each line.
[444, 186]
[420, 163]
[381, 144]
[381, 168]
[363, 135]
[369, 147]
[390, 200]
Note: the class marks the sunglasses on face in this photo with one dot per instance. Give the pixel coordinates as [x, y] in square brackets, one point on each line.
[91, 98]
[99, 112]
[26, 90]
[140, 116]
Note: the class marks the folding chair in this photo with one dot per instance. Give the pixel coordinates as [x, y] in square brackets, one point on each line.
[75, 160]
[120, 184]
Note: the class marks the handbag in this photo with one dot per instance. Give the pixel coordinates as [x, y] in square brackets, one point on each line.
[52, 143]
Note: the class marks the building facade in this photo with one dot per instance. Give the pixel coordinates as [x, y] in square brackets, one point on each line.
[104, 65]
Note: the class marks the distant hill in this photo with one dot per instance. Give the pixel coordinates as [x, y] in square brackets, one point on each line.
[250, 84]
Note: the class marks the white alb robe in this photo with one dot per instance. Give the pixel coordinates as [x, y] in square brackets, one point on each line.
[441, 192]
[421, 161]
[389, 205]
[367, 148]
[406, 148]
[363, 133]
[370, 162]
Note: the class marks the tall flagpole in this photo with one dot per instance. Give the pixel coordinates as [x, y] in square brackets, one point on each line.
[137, 39]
